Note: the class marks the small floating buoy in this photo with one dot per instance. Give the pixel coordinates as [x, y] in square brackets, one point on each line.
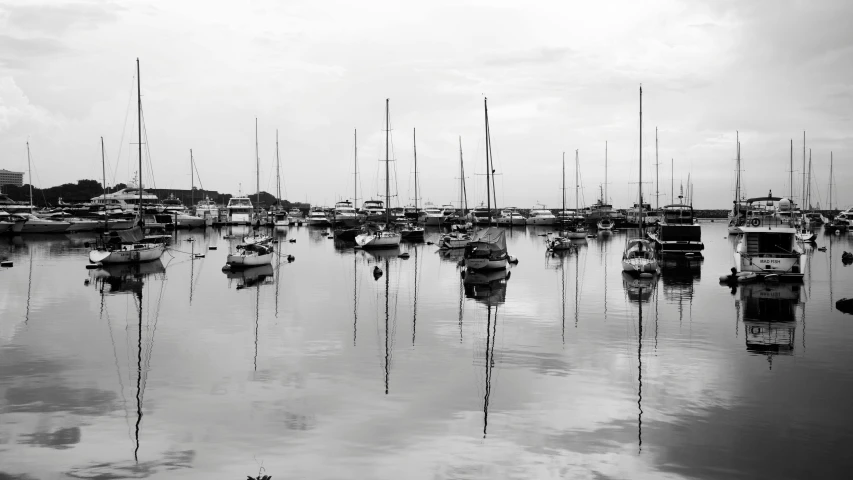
[429, 243]
[226, 268]
[513, 260]
[377, 272]
[89, 266]
[212, 247]
[403, 255]
[821, 249]
[292, 240]
[86, 282]
[290, 258]
[190, 239]
[199, 255]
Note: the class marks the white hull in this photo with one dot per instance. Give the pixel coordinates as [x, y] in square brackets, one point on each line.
[559, 244]
[602, 225]
[240, 219]
[806, 237]
[782, 266]
[454, 241]
[378, 240]
[433, 221]
[282, 223]
[249, 260]
[128, 254]
[541, 221]
[318, 222]
[116, 224]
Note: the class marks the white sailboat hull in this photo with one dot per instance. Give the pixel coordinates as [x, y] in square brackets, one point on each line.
[132, 253]
[378, 240]
[33, 225]
[639, 265]
[237, 260]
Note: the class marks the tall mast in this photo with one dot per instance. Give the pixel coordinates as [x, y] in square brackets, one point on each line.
[809, 188]
[30, 174]
[139, 125]
[641, 161]
[461, 175]
[415, 148]
[192, 179]
[564, 184]
[577, 183]
[804, 168]
[672, 178]
[104, 197]
[604, 200]
[277, 170]
[488, 190]
[387, 170]
[791, 172]
[830, 183]
[355, 170]
[257, 170]
[737, 178]
[657, 172]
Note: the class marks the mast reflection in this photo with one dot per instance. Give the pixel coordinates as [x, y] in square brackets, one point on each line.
[130, 279]
[488, 288]
[639, 290]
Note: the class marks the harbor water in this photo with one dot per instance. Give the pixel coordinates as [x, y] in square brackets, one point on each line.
[321, 368]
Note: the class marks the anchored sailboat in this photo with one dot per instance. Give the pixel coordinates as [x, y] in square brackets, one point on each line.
[558, 242]
[129, 246]
[384, 237]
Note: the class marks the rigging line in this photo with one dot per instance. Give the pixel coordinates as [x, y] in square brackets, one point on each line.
[149, 164]
[124, 127]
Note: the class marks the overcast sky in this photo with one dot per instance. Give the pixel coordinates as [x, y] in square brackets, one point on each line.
[559, 76]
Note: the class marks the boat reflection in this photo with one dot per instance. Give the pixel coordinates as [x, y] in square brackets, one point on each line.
[250, 277]
[118, 279]
[639, 289]
[488, 288]
[769, 312]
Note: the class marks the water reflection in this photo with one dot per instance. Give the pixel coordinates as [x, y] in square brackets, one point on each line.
[130, 279]
[769, 317]
[639, 290]
[488, 288]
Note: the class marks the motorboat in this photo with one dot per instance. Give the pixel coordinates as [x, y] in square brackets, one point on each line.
[128, 199]
[639, 257]
[31, 223]
[559, 243]
[510, 216]
[280, 218]
[317, 217]
[433, 216]
[239, 210]
[251, 255]
[295, 216]
[208, 210]
[454, 240]
[480, 216]
[539, 215]
[8, 221]
[256, 238]
[633, 216]
[605, 224]
[678, 234]
[411, 232]
[344, 214]
[770, 248]
[374, 210]
[125, 246]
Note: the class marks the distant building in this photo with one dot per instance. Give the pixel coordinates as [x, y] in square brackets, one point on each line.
[11, 178]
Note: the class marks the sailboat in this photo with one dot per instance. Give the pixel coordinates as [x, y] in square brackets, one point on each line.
[559, 241]
[345, 218]
[129, 246]
[737, 217]
[411, 230]
[256, 237]
[458, 236]
[279, 214]
[639, 256]
[384, 237]
[573, 225]
[28, 222]
[487, 248]
[806, 233]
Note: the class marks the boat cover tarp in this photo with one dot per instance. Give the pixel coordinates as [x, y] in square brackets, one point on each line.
[495, 237]
[130, 235]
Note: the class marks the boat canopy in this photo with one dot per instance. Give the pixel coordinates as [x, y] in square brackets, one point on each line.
[130, 235]
[493, 236]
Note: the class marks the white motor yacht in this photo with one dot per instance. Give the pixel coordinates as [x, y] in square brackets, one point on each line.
[539, 215]
[344, 214]
[239, 210]
[374, 210]
[770, 250]
[510, 216]
[207, 210]
[433, 216]
[127, 199]
[317, 217]
[34, 224]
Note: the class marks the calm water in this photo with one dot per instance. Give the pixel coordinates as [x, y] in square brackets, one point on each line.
[314, 369]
